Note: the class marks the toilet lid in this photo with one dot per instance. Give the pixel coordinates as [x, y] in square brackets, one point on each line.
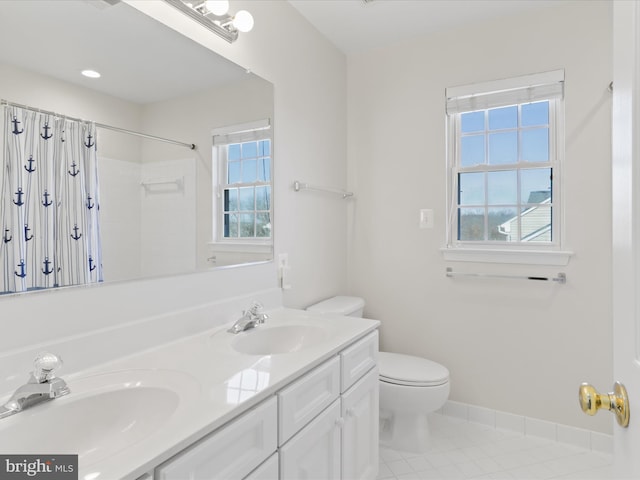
[410, 370]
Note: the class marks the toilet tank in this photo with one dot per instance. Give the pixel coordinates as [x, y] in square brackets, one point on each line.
[340, 305]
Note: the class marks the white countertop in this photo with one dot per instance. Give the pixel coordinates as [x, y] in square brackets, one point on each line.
[214, 383]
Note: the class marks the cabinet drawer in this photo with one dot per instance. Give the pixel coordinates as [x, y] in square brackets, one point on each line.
[358, 359]
[231, 452]
[300, 402]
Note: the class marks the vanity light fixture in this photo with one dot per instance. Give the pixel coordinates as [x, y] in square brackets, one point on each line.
[217, 7]
[213, 15]
[91, 73]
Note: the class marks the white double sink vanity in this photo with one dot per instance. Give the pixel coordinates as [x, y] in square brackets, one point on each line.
[295, 397]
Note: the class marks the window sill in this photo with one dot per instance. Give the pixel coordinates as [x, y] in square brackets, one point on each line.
[525, 257]
[240, 247]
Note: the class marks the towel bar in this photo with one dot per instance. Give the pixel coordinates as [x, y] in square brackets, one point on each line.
[559, 278]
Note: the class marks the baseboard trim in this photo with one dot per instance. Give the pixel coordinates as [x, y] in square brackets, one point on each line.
[533, 427]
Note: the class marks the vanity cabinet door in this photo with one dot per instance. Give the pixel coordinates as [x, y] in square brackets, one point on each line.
[232, 452]
[360, 431]
[314, 452]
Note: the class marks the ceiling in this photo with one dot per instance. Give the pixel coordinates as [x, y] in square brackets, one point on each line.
[143, 61]
[355, 26]
[140, 59]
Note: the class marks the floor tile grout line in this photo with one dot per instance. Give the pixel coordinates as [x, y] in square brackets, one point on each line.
[447, 432]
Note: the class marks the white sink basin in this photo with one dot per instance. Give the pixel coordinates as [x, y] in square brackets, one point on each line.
[265, 340]
[102, 415]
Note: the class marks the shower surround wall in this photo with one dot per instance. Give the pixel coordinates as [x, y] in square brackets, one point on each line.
[148, 231]
[513, 346]
[120, 216]
[168, 243]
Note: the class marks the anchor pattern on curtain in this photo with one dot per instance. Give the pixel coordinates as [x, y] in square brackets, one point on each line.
[50, 202]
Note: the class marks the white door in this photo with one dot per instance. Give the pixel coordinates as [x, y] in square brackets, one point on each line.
[626, 228]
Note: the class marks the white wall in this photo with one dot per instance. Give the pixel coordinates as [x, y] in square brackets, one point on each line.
[192, 118]
[531, 364]
[309, 77]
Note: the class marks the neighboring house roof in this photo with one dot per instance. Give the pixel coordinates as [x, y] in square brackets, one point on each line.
[535, 223]
[539, 196]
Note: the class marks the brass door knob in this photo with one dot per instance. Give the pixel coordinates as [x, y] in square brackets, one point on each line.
[617, 401]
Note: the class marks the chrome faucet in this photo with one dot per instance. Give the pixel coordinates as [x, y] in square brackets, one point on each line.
[42, 385]
[250, 318]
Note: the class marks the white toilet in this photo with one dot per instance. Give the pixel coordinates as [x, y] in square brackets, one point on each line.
[410, 387]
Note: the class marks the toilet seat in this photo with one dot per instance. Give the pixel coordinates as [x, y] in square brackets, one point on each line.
[411, 371]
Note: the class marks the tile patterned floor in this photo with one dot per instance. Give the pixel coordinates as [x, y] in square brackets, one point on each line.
[463, 450]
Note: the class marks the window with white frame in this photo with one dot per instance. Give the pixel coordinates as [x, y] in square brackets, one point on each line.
[243, 182]
[504, 158]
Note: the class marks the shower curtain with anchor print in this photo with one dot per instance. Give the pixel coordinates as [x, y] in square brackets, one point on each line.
[49, 212]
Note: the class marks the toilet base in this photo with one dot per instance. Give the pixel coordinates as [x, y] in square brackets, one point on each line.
[403, 415]
[404, 432]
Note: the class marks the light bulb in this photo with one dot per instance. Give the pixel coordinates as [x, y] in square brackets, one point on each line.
[217, 7]
[243, 21]
[91, 73]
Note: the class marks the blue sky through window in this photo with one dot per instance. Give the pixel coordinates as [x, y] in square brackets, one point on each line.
[535, 145]
[249, 170]
[500, 136]
[472, 150]
[503, 148]
[472, 122]
[502, 187]
[234, 152]
[535, 114]
[249, 150]
[471, 188]
[505, 117]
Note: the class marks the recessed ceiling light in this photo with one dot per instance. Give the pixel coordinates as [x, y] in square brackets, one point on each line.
[91, 74]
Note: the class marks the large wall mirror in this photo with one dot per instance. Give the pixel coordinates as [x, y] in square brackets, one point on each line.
[157, 200]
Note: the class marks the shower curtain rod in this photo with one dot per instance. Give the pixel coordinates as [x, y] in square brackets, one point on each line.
[190, 146]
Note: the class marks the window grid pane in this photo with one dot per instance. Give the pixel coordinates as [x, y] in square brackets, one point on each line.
[246, 211]
[503, 148]
[499, 198]
[471, 224]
